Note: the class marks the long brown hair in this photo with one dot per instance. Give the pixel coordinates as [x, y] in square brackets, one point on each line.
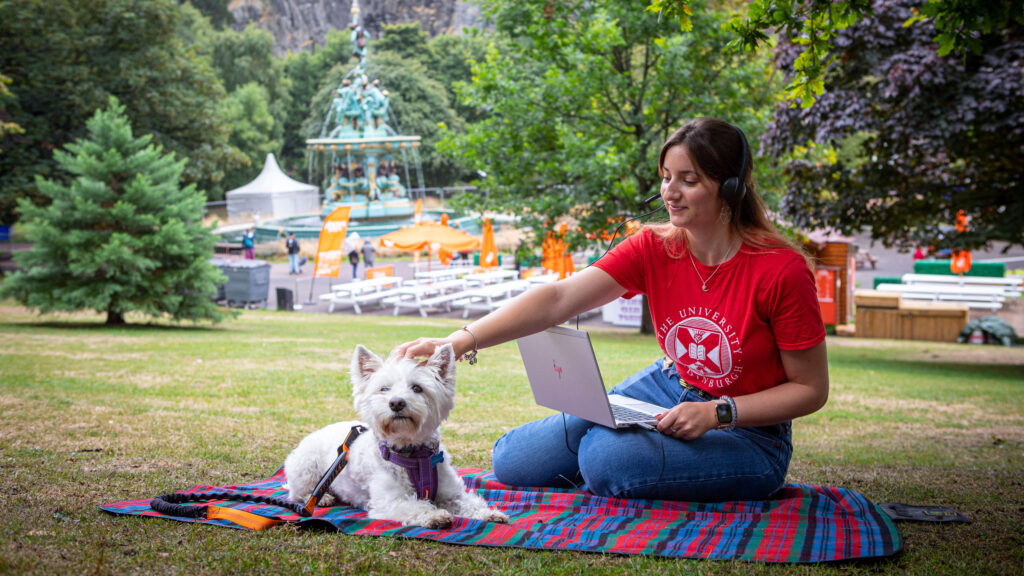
[717, 149]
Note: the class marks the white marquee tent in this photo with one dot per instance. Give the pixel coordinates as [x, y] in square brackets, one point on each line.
[272, 195]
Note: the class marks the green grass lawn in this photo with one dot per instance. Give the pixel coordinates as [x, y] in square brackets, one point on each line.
[90, 415]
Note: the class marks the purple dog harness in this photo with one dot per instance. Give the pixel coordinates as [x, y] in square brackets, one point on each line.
[421, 465]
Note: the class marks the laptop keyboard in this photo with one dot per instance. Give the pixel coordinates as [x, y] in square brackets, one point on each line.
[624, 415]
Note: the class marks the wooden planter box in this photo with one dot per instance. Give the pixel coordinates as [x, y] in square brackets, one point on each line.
[878, 314]
[935, 321]
[887, 315]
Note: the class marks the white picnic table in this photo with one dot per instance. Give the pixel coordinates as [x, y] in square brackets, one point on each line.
[424, 297]
[492, 277]
[491, 296]
[357, 287]
[542, 278]
[360, 292]
[440, 275]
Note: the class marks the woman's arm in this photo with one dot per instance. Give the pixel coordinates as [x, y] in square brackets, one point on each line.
[805, 392]
[532, 311]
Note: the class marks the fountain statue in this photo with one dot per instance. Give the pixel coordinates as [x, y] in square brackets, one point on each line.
[357, 145]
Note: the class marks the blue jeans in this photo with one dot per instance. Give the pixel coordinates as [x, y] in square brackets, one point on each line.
[293, 263]
[564, 451]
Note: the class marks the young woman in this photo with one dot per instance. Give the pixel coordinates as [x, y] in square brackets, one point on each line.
[736, 314]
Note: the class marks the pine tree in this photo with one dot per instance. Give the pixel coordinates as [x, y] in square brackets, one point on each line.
[122, 237]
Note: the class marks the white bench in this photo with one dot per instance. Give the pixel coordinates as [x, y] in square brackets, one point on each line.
[490, 297]
[978, 297]
[361, 292]
[425, 297]
[364, 298]
[1011, 286]
[492, 277]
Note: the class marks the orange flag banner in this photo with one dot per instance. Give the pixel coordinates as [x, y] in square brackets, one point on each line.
[443, 254]
[960, 262]
[328, 250]
[488, 250]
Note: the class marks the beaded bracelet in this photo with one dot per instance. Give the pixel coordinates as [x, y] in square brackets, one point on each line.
[470, 356]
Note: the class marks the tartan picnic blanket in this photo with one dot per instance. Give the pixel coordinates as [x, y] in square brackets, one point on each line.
[801, 523]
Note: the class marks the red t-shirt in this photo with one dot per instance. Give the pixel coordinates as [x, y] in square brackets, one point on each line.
[725, 340]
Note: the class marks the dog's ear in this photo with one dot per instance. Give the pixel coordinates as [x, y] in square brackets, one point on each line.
[364, 363]
[443, 361]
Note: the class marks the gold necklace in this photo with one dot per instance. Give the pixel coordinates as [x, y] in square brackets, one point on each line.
[703, 282]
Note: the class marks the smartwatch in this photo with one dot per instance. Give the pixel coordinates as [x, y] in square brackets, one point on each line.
[725, 411]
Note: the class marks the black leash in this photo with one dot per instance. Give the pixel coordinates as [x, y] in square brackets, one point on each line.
[170, 504]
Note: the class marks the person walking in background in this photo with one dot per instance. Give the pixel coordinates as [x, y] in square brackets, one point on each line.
[368, 253]
[249, 244]
[353, 259]
[292, 244]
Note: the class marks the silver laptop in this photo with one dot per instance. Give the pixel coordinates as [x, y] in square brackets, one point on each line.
[564, 375]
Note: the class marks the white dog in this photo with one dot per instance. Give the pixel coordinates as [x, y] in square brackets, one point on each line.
[403, 403]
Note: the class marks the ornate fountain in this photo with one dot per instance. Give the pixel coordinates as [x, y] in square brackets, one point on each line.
[358, 150]
[359, 160]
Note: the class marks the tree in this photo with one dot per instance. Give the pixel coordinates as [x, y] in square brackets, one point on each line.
[307, 73]
[446, 60]
[451, 64]
[122, 237]
[406, 40]
[419, 106]
[904, 137]
[5, 94]
[248, 57]
[65, 58]
[216, 10]
[252, 126]
[258, 103]
[580, 97]
[956, 26]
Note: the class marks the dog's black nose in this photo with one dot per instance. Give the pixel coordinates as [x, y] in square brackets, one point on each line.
[397, 404]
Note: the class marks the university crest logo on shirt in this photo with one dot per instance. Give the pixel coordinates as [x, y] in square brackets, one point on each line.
[701, 346]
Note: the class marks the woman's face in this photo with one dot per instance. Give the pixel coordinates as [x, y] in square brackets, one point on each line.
[690, 197]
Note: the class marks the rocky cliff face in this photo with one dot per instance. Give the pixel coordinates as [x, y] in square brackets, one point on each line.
[297, 24]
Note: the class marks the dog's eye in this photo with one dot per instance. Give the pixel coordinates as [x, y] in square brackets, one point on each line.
[416, 388]
[385, 388]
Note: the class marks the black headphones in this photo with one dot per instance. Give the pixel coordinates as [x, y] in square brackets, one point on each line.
[734, 189]
[731, 191]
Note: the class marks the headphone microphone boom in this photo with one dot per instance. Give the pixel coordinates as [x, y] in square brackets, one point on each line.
[645, 204]
[651, 199]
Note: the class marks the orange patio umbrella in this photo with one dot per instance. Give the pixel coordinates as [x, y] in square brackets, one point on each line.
[488, 251]
[430, 236]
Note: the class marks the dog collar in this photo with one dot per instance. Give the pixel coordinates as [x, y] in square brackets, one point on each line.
[421, 465]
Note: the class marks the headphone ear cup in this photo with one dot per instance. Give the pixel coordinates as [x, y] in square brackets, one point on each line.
[731, 191]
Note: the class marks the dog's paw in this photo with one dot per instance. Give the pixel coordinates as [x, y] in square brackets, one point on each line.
[490, 515]
[497, 517]
[439, 519]
[327, 500]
